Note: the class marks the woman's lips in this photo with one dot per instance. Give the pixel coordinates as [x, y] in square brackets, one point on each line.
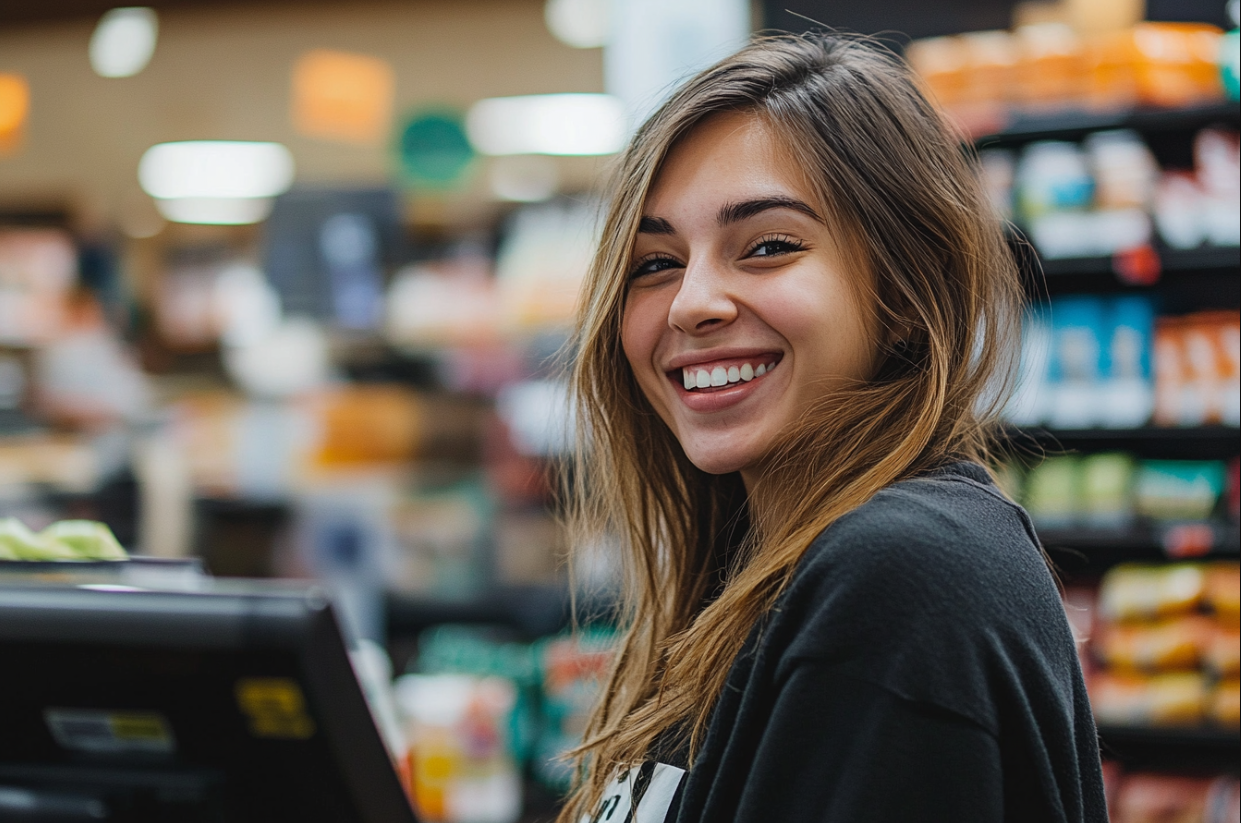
[717, 375]
[714, 398]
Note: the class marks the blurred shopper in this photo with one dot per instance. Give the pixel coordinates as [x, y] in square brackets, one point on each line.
[795, 333]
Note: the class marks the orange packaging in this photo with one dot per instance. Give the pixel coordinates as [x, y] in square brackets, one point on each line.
[1134, 591]
[1222, 651]
[367, 425]
[943, 64]
[991, 67]
[1051, 68]
[1171, 371]
[1111, 80]
[1225, 705]
[1176, 63]
[1177, 643]
[1223, 592]
[1170, 699]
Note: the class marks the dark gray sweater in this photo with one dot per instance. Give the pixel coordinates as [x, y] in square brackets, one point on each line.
[918, 668]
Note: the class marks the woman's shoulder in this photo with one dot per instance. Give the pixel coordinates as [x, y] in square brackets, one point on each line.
[933, 584]
[940, 558]
[952, 524]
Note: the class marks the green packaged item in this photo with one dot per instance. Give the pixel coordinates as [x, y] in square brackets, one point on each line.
[1053, 491]
[1107, 490]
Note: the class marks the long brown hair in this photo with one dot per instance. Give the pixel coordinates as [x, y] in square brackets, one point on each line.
[702, 562]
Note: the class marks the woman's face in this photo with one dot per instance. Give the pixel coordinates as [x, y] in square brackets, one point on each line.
[740, 311]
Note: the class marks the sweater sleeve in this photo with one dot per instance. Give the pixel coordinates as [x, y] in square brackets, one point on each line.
[838, 748]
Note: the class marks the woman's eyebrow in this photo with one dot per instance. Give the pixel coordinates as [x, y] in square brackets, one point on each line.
[736, 212]
[655, 225]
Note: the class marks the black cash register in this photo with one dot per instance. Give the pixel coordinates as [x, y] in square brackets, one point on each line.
[234, 703]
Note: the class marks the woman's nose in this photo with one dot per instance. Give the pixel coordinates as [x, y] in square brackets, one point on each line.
[703, 302]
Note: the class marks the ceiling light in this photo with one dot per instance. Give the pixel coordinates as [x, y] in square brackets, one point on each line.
[123, 41]
[562, 124]
[582, 24]
[215, 168]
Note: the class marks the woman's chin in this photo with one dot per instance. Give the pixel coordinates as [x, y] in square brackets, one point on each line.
[712, 462]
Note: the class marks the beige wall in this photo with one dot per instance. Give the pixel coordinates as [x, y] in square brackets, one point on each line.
[225, 74]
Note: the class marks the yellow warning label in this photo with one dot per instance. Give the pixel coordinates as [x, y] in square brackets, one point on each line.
[275, 707]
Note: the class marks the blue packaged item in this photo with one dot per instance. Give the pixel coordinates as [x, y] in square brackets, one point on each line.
[1079, 326]
[1128, 393]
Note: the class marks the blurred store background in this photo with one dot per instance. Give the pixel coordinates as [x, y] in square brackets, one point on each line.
[282, 287]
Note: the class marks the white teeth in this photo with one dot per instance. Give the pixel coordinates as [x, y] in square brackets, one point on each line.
[719, 376]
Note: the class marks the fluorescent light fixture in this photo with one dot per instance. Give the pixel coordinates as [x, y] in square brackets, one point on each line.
[562, 124]
[215, 168]
[582, 24]
[217, 211]
[123, 41]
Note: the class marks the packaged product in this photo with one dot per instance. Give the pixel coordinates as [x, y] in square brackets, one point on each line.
[1225, 703]
[1165, 699]
[460, 761]
[1172, 376]
[1053, 491]
[1166, 798]
[1179, 489]
[1134, 591]
[942, 63]
[1217, 165]
[1107, 489]
[1052, 64]
[1175, 63]
[1222, 652]
[1223, 592]
[1170, 644]
[1128, 392]
[991, 67]
[1078, 332]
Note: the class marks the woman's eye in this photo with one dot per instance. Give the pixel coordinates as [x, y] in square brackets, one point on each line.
[774, 246]
[652, 265]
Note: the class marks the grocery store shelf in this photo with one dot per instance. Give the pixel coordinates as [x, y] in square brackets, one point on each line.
[1158, 442]
[1071, 124]
[1085, 553]
[1223, 260]
[1174, 748]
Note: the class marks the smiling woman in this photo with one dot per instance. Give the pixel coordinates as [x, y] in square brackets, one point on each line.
[795, 329]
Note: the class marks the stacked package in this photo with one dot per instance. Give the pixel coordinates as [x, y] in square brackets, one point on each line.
[1165, 649]
[1108, 194]
[1110, 362]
